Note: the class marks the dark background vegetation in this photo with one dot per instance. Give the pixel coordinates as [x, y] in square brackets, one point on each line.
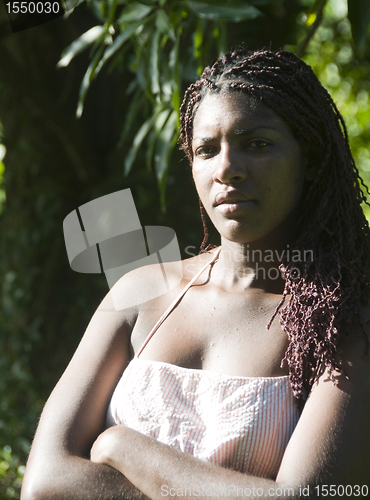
[52, 162]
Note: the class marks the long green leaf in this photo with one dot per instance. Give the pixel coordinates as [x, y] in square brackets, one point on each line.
[164, 24]
[359, 17]
[164, 146]
[111, 12]
[134, 12]
[228, 12]
[157, 127]
[198, 37]
[136, 104]
[79, 45]
[139, 137]
[99, 9]
[69, 6]
[175, 80]
[222, 39]
[154, 69]
[117, 44]
[87, 79]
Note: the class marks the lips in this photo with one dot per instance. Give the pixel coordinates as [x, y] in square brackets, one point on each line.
[232, 201]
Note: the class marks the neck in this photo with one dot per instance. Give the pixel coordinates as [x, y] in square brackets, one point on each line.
[255, 264]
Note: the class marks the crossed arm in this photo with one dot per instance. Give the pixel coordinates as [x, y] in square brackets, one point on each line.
[331, 443]
[329, 446]
[59, 466]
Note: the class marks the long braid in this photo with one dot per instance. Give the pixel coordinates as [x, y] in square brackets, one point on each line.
[203, 247]
[330, 288]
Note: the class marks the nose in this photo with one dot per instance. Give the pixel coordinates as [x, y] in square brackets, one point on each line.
[230, 169]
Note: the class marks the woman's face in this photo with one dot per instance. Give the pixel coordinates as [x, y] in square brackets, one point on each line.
[248, 167]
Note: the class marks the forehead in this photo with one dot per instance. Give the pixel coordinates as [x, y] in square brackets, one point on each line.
[234, 110]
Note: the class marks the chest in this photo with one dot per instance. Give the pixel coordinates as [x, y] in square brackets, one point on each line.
[216, 331]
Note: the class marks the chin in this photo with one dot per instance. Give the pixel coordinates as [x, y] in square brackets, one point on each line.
[238, 233]
[252, 231]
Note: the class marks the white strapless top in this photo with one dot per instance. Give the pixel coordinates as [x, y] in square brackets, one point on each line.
[237, 422]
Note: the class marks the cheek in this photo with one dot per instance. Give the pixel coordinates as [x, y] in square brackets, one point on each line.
[202, 180]
[298, 179]
[285, 183]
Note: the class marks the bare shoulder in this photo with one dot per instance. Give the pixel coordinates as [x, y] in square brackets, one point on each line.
[354, 348]
[149, 282]
[331, 442]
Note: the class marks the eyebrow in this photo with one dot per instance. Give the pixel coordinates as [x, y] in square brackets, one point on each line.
[203, 139]
[253, 129]
[238, 132]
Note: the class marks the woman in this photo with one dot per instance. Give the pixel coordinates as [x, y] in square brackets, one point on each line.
[210, 402]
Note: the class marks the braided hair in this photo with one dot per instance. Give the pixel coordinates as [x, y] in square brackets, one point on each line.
[325, 292]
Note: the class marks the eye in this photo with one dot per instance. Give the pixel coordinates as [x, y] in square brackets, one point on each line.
[258, 143]
[205, 151]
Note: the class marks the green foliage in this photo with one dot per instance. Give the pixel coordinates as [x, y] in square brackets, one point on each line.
[359, 17]
[162, 44]
[332, 55]
[165, 44]
[11, 473]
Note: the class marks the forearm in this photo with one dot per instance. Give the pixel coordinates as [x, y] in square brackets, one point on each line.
[162, 471]
[76, 478]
